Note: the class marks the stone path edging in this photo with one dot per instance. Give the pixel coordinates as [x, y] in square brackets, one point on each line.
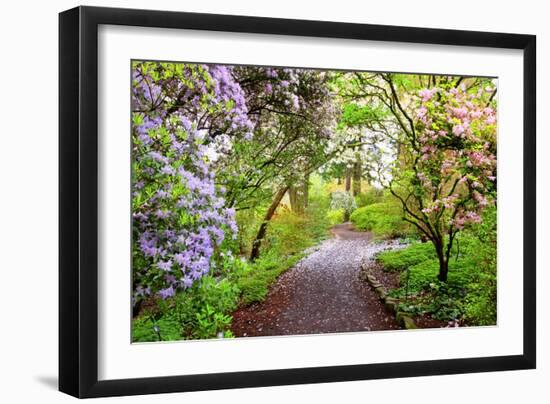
[390, 303]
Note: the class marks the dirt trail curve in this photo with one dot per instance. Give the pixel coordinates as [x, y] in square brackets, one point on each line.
[321, 294]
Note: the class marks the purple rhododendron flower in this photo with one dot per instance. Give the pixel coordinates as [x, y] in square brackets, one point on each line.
[166, 293]
[165, 265]
[180, 218]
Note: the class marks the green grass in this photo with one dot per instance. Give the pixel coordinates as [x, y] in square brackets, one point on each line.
[254, 284]
[423, 275]
[399, 260]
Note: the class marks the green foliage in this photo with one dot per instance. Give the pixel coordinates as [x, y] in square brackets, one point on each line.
[143, 329]
[335, 216]
[204, 310]
[423, 276]
[469, 295]
[384, 219]
[354, 115]
[219, 295]
[285, 234]
[199, 312]
[370, 196]
[255, 283]
[481, 302]
[443, 300]
[209, 321]
[399, 260]
[290, 233]
[248, 222]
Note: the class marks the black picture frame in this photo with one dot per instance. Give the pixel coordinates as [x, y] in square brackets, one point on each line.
[78, 201]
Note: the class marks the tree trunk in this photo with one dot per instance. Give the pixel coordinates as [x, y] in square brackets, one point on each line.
[348, 188]
[348, 179]
[339, 181]
[443, 263]
[346, 216]
[357, 174]
[299, 195]
[256, 244]
[293, 197]
[443, 259]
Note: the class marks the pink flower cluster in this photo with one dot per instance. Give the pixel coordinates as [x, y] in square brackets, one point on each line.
[456, 146]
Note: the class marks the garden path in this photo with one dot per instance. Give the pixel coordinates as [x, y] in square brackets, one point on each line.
[321, 294]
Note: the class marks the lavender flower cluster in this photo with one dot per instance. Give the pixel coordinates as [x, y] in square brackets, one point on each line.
[179, 216]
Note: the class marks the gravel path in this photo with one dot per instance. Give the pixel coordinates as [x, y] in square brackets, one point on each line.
[321, 294]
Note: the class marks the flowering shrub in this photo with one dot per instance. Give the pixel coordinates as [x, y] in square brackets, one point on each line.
[457, 137]
[192, 125]
[179, 217]
[452, 160]
[343, 200]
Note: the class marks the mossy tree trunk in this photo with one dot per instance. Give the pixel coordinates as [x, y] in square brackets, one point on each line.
[348, 179]
[256, 244]
[349, 172]
[298, 196]
[443, 265]
[293, 197]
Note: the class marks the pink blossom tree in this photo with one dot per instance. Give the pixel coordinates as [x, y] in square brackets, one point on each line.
[445, 174]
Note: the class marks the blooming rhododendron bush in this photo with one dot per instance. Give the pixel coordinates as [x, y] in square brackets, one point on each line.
[237, 170]
[179, 217]
[447, 175]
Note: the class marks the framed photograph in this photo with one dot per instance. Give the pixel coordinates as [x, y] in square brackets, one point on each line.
[251, 201]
